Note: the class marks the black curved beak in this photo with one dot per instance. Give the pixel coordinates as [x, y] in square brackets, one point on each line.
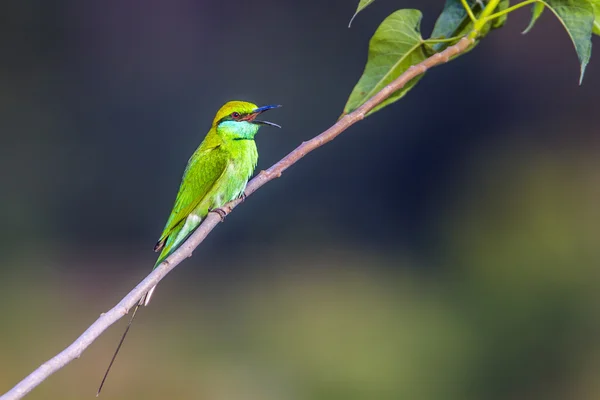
[261, 110]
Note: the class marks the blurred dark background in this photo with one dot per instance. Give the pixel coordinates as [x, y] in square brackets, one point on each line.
[444, 248]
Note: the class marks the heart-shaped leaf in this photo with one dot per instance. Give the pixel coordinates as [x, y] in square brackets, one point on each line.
[579, 18]
[396, 45]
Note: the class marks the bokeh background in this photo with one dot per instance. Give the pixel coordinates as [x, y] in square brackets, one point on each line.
[445, 248]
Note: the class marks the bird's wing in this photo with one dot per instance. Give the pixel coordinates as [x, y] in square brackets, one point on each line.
[204, 169]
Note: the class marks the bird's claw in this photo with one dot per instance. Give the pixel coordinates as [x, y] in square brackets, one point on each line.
[221, 212]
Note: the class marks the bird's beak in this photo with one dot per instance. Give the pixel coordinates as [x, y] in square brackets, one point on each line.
[261, 110]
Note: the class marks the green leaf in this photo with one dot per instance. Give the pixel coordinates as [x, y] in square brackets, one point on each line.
[596, 7]
[454, 21]
[536, 11]
[396, 45]
[500, 21]
[580, 18]
[362, 4]
[577, 16]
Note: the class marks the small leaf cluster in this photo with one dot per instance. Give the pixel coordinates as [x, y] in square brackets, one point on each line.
[398, 43]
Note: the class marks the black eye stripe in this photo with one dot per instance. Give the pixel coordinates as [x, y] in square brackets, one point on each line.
[234, 116]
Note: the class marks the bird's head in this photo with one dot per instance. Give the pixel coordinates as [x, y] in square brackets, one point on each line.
[236, 120]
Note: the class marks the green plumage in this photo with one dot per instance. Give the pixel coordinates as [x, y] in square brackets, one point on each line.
[217, 173]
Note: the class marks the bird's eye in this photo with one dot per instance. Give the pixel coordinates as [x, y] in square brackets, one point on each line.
[235, 115]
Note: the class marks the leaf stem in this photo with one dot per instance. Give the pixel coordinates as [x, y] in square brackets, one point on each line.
[488, 10]
[433, 41]
[483, 18]
[468, 10]
[510, 9]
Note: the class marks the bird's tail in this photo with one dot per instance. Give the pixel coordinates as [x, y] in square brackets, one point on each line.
[167, 246]
[119, 346]
[146, 299]
[143, 302]
[166, 251]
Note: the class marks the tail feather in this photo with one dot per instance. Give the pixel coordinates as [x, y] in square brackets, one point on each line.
[159, 245]
[118, 348]
[166, 246]
[146, 299]
[169, 244]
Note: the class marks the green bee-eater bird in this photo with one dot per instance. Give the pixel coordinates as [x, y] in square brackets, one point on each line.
[217, 173]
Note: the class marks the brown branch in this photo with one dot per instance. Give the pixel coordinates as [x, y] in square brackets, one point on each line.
[117, 312]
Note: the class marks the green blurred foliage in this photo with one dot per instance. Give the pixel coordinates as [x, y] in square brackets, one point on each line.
[446, 248]
[512, 311]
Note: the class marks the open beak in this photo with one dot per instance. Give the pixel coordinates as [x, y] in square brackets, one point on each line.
[261, 110]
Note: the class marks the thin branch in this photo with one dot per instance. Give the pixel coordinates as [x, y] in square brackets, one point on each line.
[117, 312]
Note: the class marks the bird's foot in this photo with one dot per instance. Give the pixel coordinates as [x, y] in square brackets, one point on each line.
[222, 213]
[243, 197]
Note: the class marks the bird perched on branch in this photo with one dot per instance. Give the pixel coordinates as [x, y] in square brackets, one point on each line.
[217, 173]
